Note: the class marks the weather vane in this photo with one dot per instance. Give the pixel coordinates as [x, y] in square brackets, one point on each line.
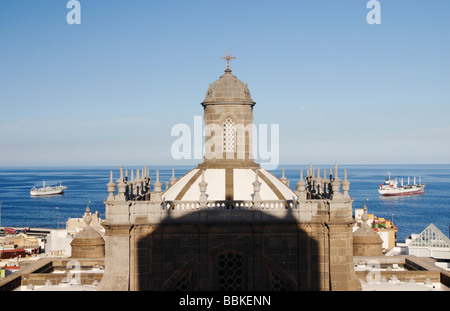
[228, 58]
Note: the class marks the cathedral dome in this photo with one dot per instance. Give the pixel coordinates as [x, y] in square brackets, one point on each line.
[228, 90]
[224, 184]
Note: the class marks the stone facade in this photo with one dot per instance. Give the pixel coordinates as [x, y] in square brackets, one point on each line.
[305, 244]
[300, 242]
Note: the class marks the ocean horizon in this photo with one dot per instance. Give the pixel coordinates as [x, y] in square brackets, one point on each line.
[87, 185]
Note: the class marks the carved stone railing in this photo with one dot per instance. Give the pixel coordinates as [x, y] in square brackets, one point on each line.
[227, 205]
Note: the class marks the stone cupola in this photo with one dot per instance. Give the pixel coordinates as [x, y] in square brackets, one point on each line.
[228, 116]
[366, 242]
[88, 243]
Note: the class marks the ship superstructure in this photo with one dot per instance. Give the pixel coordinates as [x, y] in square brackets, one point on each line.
[395, 187]
[47, 190]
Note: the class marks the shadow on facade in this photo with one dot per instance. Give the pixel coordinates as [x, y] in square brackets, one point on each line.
[228, 250]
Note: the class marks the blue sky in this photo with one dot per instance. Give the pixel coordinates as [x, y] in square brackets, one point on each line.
[109, 90]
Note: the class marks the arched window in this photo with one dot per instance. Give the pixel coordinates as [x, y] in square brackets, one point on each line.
[229, 135]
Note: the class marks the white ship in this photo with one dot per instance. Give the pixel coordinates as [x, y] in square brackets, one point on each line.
[391, 187]
[47, 190]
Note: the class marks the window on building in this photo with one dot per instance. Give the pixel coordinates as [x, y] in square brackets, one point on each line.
[431, 237]
[276, 282]
[184, 282]
[229, 135]
[230, 269]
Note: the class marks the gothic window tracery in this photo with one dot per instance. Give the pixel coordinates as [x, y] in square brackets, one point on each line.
[184, 282]
[230, 269]
[276, 282]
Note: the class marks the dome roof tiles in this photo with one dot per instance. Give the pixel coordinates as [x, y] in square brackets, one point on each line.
[228, 89]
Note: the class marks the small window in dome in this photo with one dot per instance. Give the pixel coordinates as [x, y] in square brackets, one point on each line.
[229, 135]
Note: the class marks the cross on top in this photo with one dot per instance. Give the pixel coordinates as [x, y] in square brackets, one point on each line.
[228, 58]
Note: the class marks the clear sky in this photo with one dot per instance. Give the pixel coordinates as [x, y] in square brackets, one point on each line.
[109, 90]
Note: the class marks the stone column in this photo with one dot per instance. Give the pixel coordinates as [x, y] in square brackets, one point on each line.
[342, 273]
[117, 261]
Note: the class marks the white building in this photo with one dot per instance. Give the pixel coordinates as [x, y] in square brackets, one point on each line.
[431, 242]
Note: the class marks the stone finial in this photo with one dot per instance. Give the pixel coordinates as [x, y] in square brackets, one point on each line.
[336, 177]
[87, 216]
[283, 178]
[156, 194]
[173, 178]
[318, 180]
[111, 187]
[121, 172]
[365, 216]
[300, 187]
[202, 185]
[138, 183]
[345, 184]
[122, 186]
[335, 184]
[325, 179]
[256, 188]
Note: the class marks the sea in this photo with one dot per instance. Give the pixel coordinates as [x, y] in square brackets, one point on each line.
[87, 186]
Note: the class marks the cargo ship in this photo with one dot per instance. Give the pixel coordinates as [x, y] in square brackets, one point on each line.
[391, 187]
[47, 190]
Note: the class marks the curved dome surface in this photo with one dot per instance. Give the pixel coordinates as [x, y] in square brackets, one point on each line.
[228, 184]
[228, 89]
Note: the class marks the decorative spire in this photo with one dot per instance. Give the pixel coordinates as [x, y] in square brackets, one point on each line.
[336, 172]
[256, 188]
[122, 186]
[111, 187]
[336, 184]
[318, 181]
[364, 216]
[228, 58]
[173, 178]
[156, 195]
[202, 185]
[87, 216]
[301, 187]
[283, 179]
[345, 184]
